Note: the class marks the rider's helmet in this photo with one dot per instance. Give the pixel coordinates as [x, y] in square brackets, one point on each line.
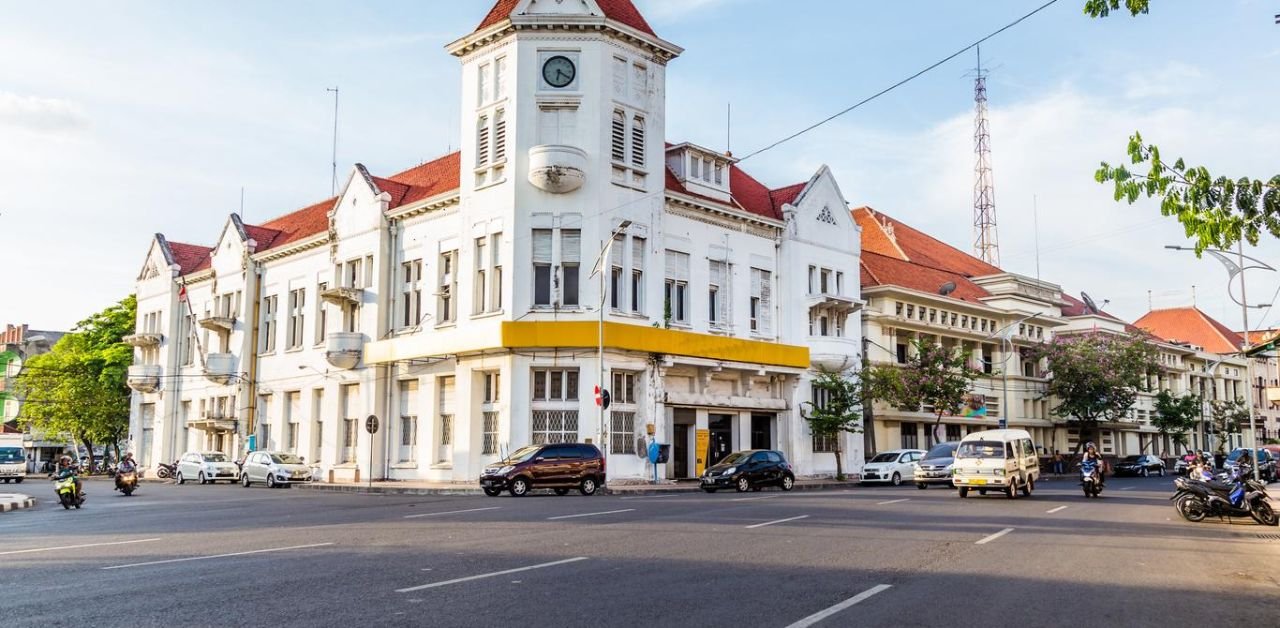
[64, 461]
[1090, 447]
[128, 456]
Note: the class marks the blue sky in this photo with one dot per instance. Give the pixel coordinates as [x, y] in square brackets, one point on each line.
[121, 119]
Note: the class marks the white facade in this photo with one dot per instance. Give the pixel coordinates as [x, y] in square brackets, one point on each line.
[465, 317]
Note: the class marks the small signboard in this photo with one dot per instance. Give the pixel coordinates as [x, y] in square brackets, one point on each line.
[371, 424]
[702, 447]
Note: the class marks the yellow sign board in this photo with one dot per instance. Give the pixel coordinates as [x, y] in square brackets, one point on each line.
[702, 450]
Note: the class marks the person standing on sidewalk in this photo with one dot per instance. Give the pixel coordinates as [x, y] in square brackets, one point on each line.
[1059, 463]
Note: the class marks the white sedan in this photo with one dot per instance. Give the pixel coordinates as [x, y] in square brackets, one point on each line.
[206, 467]
[892, 466]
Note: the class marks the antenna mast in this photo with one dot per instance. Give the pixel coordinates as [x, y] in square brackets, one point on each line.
[333, 181]
[986, 243]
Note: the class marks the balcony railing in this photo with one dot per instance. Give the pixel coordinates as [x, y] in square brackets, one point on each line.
[144, 339]
[220, 368]
[833, 353]
[218, 323]
[144, 377]
[344, 349]
[342, 295]
[214, 421]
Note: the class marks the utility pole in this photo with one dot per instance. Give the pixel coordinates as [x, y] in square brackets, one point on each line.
[333, 185]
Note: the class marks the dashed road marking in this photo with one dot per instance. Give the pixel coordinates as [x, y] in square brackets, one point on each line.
[491, 575]
[893, 501]
[988, 539]
[191, 558]
[590, 514]
[68, 547]
[450, 512]
[751, 499]
[769, 523]
[651, 496]
[1128, 488]
[827, 612]
[1058, 509]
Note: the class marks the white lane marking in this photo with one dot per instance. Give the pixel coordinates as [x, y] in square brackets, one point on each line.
[1058, 509]
[590, 514]
[67, 547]
[183, 560]
[769, 523]
[893, 501]
[993, 537]
[490, 575]
[450, 512]
[825, 613]
[651, 496]
[1128, 488]
[751, 499]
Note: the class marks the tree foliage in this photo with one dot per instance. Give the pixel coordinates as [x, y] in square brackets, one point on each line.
[1096, 377]
[840, 410]
[1226, 417]
[1175, 416]
[1103, 8]
[934, 377]
[78, 390]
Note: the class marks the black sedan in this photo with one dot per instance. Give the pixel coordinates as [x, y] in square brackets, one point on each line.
[749, 470]
[1140, 465]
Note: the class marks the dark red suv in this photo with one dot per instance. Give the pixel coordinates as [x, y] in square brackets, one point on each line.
[561, 466]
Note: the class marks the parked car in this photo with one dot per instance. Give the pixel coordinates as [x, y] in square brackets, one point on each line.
[935, 467]
[561, 467]
[274, 468]
[207, 467]
[892, 466]
[1142, 465]
[749, 470]
[1265, 462]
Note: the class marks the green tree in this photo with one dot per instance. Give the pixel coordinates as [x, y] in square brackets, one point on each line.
[1175, 416]
[1216, 211]
[1226, 417]
[78, 390]
[934, 377]
[838, 410]
[1096, 377]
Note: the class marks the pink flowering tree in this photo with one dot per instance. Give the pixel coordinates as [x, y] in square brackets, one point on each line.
[934, 377]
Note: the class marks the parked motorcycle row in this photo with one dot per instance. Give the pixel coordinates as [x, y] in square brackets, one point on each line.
[1231, 494]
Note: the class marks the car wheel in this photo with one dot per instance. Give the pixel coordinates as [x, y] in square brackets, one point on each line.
[181, 480]
[1160, 472]
[493, 492]
[921, 485]
[743, 484]
[1144, 472]
[271, 481]
[1012, 491]
[588, 486]
[788, 482]
[201, 477]
[244, 480]
[1028, 486]
[519, 487]
[562, 491]
[897, 479]
[964, 491]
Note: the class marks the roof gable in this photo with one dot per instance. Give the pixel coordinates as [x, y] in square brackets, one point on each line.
[621, 11]
[1190, 324]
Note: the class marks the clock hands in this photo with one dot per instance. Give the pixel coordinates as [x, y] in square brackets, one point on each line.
[562, 76]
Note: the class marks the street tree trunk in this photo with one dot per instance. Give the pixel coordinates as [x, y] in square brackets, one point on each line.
[839, 461]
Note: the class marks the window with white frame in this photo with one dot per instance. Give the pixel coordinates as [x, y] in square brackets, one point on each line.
[292, 415]
[268, 329]
[491, 146]
[490, 432]
[548, 275]
[623, 412]
[761, 300]
[554, 407]
[637, 274]
[322, 314]
[410, 293]
[408, 420]
[628, 146]
[446, 303]
[487, 286]
[444, 423]
[189, 339]
[297, 316]
[626, 273]
[264, 421]
[676, 292]
[495, 272]
[718, 298]
[822, 442]
[491, 381]
[350, 404]
[317, 424]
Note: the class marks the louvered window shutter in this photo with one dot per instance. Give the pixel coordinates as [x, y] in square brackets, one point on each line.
[766, 300]
[637, 142]
[482, 142]
[541, 246]
[499, 136]
[619, 136]
[637, 253]
[570, 246]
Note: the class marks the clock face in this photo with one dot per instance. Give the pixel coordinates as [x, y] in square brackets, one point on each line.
[558, 71]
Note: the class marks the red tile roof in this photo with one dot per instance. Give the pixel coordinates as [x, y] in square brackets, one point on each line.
[430, 179]
[262, 235]
[785, 195]
[299, 225]
[897, 254]
[747, 193]
[1260, 336]
[1189, 324]
[622, 11]
[189, 257]
[883, 270]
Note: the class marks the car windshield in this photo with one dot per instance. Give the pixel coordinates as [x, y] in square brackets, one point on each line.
[215, 457]
[524, 453]
[981, 449]
[943, 450]
[285, 459]
[11, 454]
[1131, 459]
[892, 457]
[736, 457]
[1235, 455]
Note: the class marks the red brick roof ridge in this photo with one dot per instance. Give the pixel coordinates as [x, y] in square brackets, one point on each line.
[621, 11]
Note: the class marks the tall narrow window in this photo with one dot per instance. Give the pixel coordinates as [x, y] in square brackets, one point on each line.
[637, 274]
[480, 294]
[317, 424]
[489, 412]
[482, 84]
[570, 261]
[408, 420]
[499, 136]
[322, 313]
[297, 316]
[292, 415]
[444, 438]
[495, 279]
[616, 286]
[447, 304]
[676, 295]
[542, 266]
[350, 420]
[618, 136]
[499, 78]
[761, 298]
[269, 324]
[637, 141]
[482, 142]
[410, 293]
[716, 302]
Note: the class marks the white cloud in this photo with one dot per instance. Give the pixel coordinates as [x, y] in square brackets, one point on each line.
[34, 113]
[1172, 80]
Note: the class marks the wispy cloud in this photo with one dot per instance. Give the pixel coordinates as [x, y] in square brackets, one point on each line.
[385, 41]
[46, 115]
[1172, 79]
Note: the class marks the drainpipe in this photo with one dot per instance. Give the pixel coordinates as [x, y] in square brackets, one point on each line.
[387, 369]
[251, 385]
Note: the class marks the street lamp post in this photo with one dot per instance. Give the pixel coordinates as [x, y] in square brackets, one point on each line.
[1004, 372]
[1233, 269]
[599, 270]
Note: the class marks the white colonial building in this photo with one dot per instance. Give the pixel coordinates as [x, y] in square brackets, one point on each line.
[456, 301]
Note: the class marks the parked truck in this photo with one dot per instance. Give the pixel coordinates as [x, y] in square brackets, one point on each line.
[13, 458]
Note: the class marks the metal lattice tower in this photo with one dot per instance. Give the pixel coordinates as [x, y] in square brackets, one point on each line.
[986, 243]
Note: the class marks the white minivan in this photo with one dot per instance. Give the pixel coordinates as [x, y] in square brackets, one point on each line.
[996, 460]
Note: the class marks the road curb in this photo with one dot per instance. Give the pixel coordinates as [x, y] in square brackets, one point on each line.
[16, 502]
[627, 490]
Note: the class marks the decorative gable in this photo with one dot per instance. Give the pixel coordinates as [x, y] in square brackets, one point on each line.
[826, 216]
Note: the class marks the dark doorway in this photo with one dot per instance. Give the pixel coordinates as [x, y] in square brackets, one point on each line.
[680, 452]
[721, 427]
[762, 431]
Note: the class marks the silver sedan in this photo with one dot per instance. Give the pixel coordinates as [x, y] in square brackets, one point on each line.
[274, 468]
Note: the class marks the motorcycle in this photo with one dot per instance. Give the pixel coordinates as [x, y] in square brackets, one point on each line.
[127, 482]
[1091, 479]
[166, 471]
[67, 495]
[1241, 497]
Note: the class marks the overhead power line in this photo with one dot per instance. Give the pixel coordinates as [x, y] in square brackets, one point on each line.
[900, 83]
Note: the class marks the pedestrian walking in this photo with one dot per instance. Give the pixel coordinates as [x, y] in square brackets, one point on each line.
[1059, 463]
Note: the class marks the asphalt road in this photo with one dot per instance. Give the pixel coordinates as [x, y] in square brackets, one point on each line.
[228, 556]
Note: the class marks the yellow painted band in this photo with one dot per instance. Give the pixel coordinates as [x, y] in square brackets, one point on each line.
[647, 339]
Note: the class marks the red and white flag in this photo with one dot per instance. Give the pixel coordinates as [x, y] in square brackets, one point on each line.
[182, 293]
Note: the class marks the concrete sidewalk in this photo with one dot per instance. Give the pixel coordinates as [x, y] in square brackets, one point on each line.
[15, 501]
[471, 488]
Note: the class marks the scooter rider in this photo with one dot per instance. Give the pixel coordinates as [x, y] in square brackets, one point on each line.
[1092, 460]
[68, 470]
[127, 465]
